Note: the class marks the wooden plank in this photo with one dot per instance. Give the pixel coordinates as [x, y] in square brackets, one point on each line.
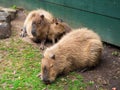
[108, 28]
[104, 7]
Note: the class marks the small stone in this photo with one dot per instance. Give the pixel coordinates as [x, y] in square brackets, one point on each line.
[104, 82]
[114, 88]
[118, 73]
[5, 30]
[4, 17]
[8, 10]
[11, 11]
[62, 79]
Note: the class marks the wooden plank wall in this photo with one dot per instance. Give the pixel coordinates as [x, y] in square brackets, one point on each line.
[103, 16]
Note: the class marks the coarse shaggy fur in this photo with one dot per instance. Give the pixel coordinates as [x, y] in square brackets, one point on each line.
[34, 16]
[78, 49]
[57, 29]
[37, 25]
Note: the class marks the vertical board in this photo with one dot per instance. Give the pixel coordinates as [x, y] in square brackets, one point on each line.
[81, 13]
[104, 7]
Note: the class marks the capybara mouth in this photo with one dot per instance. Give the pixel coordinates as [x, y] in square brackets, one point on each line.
[47, 82]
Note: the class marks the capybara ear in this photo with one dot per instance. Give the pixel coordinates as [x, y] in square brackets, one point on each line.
[56, 23]
[42, 16]
[59, 19]
[21, 29]
[52, 56]
[54, 20]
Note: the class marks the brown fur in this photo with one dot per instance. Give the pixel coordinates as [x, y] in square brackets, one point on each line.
[41, 20]
[78, 49]
[57, 30]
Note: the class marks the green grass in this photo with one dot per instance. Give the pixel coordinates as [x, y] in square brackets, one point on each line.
[20, 65]
[116, 53]
[14, 7]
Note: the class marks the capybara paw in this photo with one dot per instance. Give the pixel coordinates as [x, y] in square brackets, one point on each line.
[39, 75]
[23, 34]
[41, 47]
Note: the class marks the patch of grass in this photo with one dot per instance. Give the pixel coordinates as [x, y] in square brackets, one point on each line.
[91, 83]
[14, 7]
[20, 65]
[116, 53]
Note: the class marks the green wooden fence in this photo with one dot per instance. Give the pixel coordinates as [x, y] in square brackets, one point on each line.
[103, 16]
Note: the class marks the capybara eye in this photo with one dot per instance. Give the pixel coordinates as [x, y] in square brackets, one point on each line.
[42, 16]
[56, 23]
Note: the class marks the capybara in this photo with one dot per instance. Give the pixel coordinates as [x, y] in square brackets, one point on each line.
[79, 49]
[36, 25]
[57, 29]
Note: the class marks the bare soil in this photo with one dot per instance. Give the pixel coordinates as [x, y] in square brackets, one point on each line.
[105, 76]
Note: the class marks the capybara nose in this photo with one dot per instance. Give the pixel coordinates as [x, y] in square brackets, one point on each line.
[46, 81]
[33, 32]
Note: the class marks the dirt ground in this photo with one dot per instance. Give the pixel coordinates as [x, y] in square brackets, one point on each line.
[105, 76]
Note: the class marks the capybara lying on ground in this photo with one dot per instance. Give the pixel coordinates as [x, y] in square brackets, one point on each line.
[78, 49]
[36, 25]
[57, 29]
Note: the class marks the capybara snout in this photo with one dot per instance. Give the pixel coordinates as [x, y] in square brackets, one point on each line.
[45, 75]
[33, 31]
[48, 72]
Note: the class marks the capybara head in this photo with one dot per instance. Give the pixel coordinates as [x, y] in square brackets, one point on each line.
[58, 26]
[38, 23]
[49, 69]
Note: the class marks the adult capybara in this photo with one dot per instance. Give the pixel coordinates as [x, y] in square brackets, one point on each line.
[36, 25]
[78, 49]
[57, 29]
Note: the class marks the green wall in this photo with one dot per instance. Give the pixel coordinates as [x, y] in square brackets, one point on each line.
[103, 16]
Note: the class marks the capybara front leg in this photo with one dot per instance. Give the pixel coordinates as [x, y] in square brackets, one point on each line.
[42, 44]
[23, 32]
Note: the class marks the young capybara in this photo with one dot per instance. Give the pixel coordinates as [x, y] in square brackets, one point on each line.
[78, 49]
[36, 25]
[57, 29]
